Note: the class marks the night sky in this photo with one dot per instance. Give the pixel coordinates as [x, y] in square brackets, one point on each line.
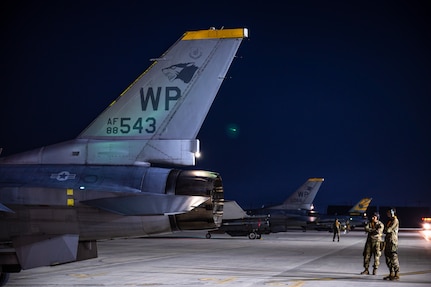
[333, 89]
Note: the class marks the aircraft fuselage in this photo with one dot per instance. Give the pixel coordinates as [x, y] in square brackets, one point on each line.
[73, 199]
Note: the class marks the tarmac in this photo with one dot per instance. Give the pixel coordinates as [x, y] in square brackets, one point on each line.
[293, 258]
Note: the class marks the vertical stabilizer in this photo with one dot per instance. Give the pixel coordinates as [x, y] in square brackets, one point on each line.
[304, 196]
[168, 103]
[172, 97]
[360, 207]
[157, 118]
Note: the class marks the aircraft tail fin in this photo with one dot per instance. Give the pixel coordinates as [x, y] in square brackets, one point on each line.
[157, 118]
[304, 196]
[360, 207]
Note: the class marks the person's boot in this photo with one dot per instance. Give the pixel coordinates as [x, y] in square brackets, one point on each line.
[389, 277]
[365, 272]
[374, 271]
[396, 276]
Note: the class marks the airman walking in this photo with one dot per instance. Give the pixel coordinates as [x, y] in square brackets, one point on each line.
[336, 229]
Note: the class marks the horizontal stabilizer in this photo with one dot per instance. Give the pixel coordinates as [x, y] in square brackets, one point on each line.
[231, 210]
[36, 251]
[148, 204]
[5, 208]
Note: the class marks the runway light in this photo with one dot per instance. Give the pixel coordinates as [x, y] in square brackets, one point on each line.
[426, 223]
[426, 234]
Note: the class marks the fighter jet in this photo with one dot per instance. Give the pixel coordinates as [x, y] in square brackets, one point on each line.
[297, 211]
[236, 222]
[356, 217]
[124, 174]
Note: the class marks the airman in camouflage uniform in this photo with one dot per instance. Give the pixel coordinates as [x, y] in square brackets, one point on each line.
[373, 244]
[336, 227]
[391, 245]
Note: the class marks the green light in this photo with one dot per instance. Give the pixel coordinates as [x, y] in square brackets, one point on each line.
[232, 131]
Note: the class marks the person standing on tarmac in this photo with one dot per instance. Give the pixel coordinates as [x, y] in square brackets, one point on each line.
[336, 229]
[372, 247]
[391, 245]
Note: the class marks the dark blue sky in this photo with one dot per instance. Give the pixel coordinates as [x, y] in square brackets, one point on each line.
[333, 89]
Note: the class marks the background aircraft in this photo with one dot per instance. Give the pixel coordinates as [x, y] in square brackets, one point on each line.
[356, 217]
[236, 222]
[297, 211]
[112, 180]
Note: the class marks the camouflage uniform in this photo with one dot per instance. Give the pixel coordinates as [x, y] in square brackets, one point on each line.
[391, 246]
[373, 244]
[336, 229]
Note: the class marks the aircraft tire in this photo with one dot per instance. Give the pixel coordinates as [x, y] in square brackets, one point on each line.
[208, 235]
[4, 277]
[252, 235]
[259, 236]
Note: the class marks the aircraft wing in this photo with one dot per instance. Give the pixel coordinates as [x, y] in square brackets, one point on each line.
[148, 204]
[5, 208]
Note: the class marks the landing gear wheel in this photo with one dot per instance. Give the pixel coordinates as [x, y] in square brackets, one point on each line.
[252, 235]
[259, 236]
[208, 235]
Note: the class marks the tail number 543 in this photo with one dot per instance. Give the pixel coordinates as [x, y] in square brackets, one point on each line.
[126, 126]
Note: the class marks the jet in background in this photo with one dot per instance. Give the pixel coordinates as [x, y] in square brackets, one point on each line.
[356, 217]
[297, 211]
[236, 222]
[113, 180]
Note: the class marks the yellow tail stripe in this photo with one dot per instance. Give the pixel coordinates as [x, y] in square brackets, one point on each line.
[216, 34]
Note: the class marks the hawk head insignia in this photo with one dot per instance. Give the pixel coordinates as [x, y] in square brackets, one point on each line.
[184, 72]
